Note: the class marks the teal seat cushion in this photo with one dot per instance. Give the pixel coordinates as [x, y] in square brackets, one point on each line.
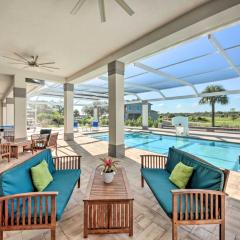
[205, 175]
[158, 181]
[18, 179]
[63, 182]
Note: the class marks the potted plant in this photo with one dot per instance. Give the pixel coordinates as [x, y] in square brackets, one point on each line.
[109, 167]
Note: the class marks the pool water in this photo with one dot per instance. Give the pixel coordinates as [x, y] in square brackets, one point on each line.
[221, 154]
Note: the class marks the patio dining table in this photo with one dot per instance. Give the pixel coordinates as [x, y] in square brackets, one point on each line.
[40, 140]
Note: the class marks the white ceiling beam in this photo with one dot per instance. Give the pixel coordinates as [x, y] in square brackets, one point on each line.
[75, 96]
[106, 88]
[139, 86]
[230, 92]
[165, 75]
[222, 52]
[76, 93]
[151, 89]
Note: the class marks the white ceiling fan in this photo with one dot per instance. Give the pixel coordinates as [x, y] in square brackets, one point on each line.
[101, 5]
[30, 62]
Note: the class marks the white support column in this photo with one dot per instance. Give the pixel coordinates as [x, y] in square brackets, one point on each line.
[145, 115]
[20, 108]
[68, 112]
[10, 110]
[116, 147]
[4, 112]
[95, 114]
[1, 112]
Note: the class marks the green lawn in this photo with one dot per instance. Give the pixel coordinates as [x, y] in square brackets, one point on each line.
[219, 122]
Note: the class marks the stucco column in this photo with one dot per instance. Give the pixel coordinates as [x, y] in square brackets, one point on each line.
[145, 115]
[95, 114]
[116, 146]
[20, 108]
[68, 112]
[4, 113]
[1, 112]
[10, 110]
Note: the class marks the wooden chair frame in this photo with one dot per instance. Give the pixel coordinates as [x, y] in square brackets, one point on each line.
[204, 206]
[5, 150]
[16, 218]
[30, 147]
[52, 142]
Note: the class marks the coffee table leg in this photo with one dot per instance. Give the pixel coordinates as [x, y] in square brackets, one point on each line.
[131, 218]
[85, 222]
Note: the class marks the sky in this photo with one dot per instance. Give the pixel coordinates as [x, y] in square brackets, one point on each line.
[191, 105]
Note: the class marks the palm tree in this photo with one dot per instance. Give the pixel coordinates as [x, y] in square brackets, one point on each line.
[221, 99]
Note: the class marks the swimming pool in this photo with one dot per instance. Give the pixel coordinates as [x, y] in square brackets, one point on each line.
[221, 154]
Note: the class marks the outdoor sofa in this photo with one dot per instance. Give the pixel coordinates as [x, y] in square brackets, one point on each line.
[22, 208]
[203, 202]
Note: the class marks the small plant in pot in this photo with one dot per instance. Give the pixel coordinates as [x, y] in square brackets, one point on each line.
[109, 167]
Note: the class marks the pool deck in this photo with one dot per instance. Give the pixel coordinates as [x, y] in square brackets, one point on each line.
[150, 222]
[232, 137]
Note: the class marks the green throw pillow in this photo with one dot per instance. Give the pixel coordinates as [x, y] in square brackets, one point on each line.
[180, 175]
[41, 176]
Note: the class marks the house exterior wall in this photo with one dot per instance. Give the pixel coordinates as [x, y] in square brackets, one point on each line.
[133, 111]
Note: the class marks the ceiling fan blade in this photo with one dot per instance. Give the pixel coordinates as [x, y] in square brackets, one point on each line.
[46, 63]
[50, 67]
[102, 10]
[125, 7]
[17, 63]
[44, 68]
[14, 59]
[20, 56]
[36, 58]
[77, 7]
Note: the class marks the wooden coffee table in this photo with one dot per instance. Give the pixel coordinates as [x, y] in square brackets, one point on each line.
[108, 208]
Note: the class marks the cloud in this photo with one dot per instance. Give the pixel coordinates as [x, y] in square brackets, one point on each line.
[160, 104]
[195, 105]
[179, 106]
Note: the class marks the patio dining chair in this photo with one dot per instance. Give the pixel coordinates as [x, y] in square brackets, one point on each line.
[46, 132]
[5, 150]
[30, 146]
[52, 142]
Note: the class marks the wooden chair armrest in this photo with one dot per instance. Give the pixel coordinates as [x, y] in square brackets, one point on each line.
[16, 210]
[67, 162]
[153, 161]
[198, 205]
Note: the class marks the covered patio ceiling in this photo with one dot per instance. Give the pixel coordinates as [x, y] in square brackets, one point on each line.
[210, 58]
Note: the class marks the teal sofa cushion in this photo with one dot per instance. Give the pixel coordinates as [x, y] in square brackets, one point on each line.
[18, 179]
[205, 175]
[63, 182]
[158, 181]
